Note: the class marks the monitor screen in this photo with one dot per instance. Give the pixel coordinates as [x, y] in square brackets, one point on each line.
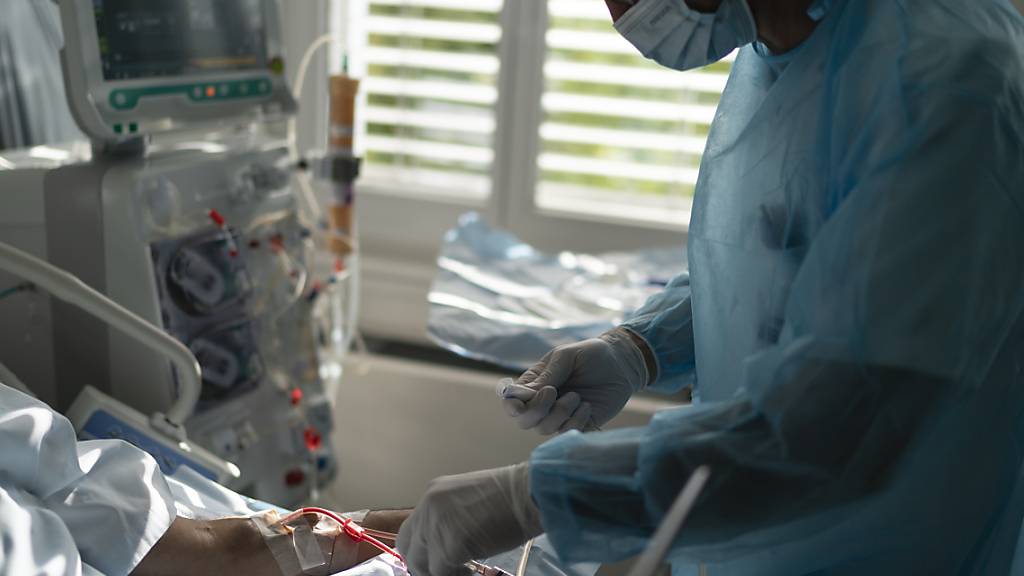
[146, 39]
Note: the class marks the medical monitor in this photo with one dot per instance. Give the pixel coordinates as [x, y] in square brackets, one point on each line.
[136, 67]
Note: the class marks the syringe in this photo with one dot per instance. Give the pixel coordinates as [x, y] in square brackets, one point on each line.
[507, 388]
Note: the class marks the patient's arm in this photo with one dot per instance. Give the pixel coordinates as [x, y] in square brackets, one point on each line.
[235, 546]
[200, 547]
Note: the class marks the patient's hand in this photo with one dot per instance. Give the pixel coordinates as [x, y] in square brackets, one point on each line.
[235, 546]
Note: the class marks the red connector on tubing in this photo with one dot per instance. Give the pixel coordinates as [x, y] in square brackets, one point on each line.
[355, 531]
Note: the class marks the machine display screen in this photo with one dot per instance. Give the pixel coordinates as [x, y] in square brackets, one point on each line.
[153, 38]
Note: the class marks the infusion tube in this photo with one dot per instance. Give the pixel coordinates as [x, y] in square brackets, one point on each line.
[373, 537]
[354, 531]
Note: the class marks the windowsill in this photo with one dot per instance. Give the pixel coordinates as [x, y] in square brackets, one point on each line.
[419, 192]
[627, 211]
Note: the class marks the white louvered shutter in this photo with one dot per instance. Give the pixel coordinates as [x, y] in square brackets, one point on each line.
[430, 86]
[620, 135]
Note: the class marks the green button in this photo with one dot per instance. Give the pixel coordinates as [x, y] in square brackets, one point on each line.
[277, 65]
[133, 127]
[118, 129]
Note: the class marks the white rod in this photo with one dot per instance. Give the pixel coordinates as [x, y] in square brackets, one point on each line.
[70, 289]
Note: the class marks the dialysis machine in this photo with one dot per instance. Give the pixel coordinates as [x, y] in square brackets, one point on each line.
[182, 210]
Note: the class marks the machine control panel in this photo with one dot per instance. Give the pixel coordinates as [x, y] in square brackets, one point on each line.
[128, 98]
[103, 425]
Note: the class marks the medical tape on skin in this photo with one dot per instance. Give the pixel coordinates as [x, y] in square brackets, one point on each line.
[307, 550]
[295, 549]
[343, 552]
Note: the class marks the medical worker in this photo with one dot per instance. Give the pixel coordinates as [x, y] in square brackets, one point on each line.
[852, 321]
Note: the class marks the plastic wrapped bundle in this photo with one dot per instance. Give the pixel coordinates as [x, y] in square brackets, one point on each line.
[499, 300]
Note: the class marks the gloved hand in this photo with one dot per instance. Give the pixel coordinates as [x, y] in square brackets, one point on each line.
[469, 517]
[578, 386]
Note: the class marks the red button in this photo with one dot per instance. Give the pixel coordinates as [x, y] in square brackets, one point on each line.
[313, 439]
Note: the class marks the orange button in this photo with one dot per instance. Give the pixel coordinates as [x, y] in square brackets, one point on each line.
[211, 91]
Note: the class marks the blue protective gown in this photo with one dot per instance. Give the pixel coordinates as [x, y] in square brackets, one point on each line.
[853, 318]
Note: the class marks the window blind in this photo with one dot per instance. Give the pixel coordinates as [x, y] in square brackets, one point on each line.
[431, 90]
[620, 133]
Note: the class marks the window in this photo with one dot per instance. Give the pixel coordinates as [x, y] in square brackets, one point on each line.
[619, 133]
[431, 72]
[534, 112]
[613, 134]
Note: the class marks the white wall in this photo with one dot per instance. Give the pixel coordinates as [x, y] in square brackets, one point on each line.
[400, 424]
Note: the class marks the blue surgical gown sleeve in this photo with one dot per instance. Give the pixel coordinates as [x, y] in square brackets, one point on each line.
[665, 322]
[907, 296]
[64, 503]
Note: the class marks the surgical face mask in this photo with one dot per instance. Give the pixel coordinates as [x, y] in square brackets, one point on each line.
[677, 36]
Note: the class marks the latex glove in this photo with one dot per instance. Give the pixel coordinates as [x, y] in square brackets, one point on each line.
[469, 517]
[578, 386]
